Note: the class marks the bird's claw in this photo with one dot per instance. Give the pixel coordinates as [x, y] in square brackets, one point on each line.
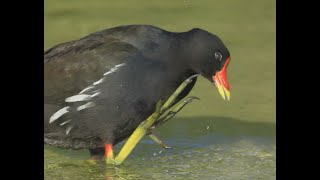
[189, 80]
[158, 141]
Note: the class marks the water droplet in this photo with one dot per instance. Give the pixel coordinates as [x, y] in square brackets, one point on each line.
[208, 127]
[160, 151]
[154, 154]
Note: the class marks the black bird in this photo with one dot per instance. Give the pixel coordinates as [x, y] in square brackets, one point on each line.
[98, 89]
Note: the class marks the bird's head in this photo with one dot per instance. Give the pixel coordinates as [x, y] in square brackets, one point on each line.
[209, 57]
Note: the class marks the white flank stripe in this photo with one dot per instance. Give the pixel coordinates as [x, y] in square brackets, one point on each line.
[68, 129]
[87, 105]
[119, 65]
[109, 72]
[66, 122]
[58, 114]
[86, 89]
[98, 82]
[79, 97]
[86, 97]
[114, 69]
[95, 94]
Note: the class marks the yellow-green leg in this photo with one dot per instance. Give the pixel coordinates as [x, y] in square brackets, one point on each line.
[137, 135]
[168, 104]
[143, 128]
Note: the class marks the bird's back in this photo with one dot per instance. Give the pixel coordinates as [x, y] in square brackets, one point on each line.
[72, 66]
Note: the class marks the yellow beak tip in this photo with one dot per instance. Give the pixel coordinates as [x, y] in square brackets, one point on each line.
[223, 92]
[227, 94]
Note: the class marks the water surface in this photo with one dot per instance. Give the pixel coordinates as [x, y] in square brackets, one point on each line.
[202, 148]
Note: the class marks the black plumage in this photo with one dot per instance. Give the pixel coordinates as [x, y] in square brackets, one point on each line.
[125, 71]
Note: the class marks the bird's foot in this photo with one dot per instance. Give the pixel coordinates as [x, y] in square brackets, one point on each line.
[167, 117]
[172, 113]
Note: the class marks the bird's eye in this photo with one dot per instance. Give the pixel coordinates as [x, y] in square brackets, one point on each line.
[218, 55]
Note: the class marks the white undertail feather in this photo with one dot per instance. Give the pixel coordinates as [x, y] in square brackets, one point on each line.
[58, 114]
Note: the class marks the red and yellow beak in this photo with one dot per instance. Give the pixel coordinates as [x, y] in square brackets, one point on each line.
[221, 81]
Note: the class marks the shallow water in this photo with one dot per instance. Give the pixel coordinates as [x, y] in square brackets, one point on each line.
[202, 148]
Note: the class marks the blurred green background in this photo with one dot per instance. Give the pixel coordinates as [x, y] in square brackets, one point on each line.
[247, 27]
[210, 138]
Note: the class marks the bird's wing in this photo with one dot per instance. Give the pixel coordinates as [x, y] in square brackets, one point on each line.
[71, 67]
[122, 97]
